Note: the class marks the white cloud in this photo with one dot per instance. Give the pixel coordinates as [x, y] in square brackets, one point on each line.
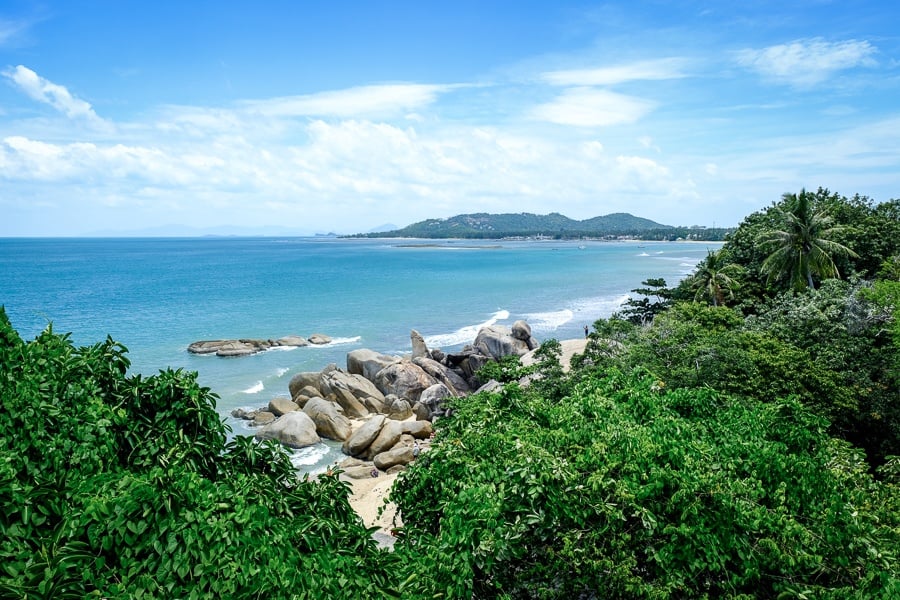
[586, 107]
[648, 70]
[369, 100]
[806, 62]
[57, 96]
[9, 30]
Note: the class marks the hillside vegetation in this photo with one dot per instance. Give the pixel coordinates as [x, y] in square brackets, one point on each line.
[736, 436]
[554, 225]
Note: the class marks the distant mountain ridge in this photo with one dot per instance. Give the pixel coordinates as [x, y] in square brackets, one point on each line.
[553, 225]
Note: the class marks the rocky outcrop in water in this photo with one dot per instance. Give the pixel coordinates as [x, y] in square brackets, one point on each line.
[246, 346]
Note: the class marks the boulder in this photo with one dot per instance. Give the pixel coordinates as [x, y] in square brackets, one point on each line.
[243, 413]
[398, 408]
[471, 364]
[319, 339]
[360, 440]
[350, 406]
[373, 404]
[419, 349]
[497, 341]
[418, 429]
[396, 469]
[263, 417]
[292, 341]
[357, 385]
[433, 399]
[386, 439]
[302, 380]
[281, 406]
[295, 430]
[521, 331]
[206, 346]
[401, 455]
[329, 423]
[457, 385]
[491, 386]
[404, 379]
[421, 412]
[237, 348]
[368, 362]
[359, 472]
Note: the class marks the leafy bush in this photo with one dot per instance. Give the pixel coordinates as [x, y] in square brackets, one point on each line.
[123, 486]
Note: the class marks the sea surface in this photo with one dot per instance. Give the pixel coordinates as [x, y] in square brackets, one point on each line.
[156, 296]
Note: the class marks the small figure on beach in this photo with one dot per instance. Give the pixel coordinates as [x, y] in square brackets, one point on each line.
[416, 449]
[586, 331]
[374, 472]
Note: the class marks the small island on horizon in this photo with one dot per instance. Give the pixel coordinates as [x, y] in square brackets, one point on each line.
[615, 226]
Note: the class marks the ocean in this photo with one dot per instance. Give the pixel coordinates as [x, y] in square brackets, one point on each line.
[156, 296]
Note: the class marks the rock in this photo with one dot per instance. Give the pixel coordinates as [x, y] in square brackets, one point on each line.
[294, 429]
[303, 380]
[243, 413]
[263, 417]
[360, 440]
[457, 385]
[491, 386]
[471, 364]
[237, 348]
[353, 462]
[374, 405]
[398, 408]
[386, 439]
[433, 399]
[368, 362]
[396, 469]
[319, 339]
[329, 423]
[418, 429]
[421, 412]
[281, 406]
[419, 349]
[294, 341]
[360, 472]
[358, 386]
[206, 346]
[521, 330]
[497, 341]
[352, 407]
[404, 379]
[401, 455]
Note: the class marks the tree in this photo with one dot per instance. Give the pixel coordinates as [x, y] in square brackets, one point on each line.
[715, 280]
[642, 312]
[803, 247]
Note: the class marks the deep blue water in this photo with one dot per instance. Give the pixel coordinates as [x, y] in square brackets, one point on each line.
[156, 296]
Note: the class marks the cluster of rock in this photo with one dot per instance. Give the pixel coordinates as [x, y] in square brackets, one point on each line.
[246, 347]
[397, 397]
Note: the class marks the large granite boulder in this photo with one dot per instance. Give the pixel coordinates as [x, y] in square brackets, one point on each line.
[419, 349]
[360, 440]
[457, 385]
[522, 331]
[295, 430]
[357, 385]
[400, 455]
[319, 339]
[497, 341]
[397, 408]
[303, 380]
[329, 422]
[386, 439]
[404, 379]
[418, 429]
[262, 417]
[367, 362]
[281, 406]
[433, 399]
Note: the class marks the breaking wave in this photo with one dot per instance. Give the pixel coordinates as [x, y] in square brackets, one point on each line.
[465, 335]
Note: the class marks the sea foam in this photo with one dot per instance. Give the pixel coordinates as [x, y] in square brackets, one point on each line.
[464, 335]
[255, 388]
[542, 322]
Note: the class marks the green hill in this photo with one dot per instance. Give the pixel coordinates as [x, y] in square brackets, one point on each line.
[553, 225]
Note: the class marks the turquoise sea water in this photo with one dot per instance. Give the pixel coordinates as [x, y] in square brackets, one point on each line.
[156, 296]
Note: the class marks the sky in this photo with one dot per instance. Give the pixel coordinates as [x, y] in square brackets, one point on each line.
[164, 117]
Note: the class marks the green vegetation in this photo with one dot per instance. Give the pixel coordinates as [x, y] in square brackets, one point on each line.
[736, 436]
[554, 225]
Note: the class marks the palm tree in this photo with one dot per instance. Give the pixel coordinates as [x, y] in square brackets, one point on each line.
[715, 280]
[803, 246]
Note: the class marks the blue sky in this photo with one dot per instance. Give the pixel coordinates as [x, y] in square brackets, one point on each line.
[135, 117]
